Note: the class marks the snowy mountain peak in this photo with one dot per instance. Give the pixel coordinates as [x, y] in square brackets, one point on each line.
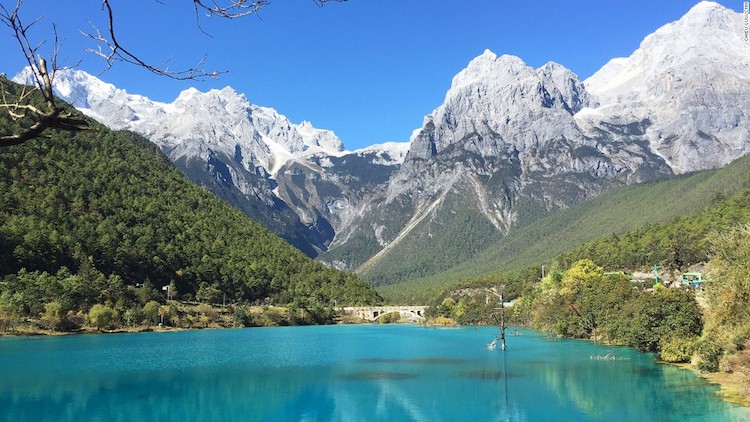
[573, 96]
[486, 67]
[196, 122]
[703, 38]
[688, 79]
[388, 153]
[498, 97]
[488, 75]
[708, 13]
[75, 86]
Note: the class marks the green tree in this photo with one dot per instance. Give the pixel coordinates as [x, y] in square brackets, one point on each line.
[133, 316]
[208, 293]
[666, 314]
[728, 292]
[107, 211]
[102, 316]
[151, 312]
[53, 315]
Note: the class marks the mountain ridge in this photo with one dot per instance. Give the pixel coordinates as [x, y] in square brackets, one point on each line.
[510, 142]
[111, 200]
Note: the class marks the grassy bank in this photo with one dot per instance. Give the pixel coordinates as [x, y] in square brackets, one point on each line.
[174, 315]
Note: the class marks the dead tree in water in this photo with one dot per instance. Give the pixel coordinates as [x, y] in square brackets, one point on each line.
[499, 292]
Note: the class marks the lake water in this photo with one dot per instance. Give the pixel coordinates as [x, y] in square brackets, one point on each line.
[343, 373]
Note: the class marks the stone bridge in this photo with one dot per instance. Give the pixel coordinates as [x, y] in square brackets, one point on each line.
[372, 313]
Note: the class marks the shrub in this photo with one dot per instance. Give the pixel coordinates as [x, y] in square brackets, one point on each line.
[102, 316]
[73, 320]
[709, 354]
[274, 317]
[677, 349]
[389, 318]
[740, 365]
[151, 312]
[52, 317]
[442, 321]
[243, 317]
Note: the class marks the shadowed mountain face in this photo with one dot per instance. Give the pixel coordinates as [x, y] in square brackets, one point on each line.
[509, 144]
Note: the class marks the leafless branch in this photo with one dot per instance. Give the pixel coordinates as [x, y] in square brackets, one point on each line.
[35, 119]
[233, 9]
[112, 50]
[19, 107]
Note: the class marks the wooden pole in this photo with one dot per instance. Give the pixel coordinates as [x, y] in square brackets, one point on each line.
[502, 318]
[500, 293]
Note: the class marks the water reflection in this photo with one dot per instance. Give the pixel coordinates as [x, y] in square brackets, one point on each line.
[426, 360]
[342, 374]
[485, 374]
[377, 375]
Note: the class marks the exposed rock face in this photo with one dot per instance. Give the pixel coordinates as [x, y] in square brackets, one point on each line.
[509, 144]
[689, 79]
[506, 136]
[519, 142]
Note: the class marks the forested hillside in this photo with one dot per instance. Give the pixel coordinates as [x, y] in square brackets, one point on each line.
[674, 245]
[607, 218]
[97, 213]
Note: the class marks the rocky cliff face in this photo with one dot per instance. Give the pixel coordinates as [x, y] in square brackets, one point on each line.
[517, 142]
[687, 85]
[509, 144]
[506, 144]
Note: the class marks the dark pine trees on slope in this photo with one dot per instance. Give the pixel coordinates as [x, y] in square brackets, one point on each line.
[113, 200]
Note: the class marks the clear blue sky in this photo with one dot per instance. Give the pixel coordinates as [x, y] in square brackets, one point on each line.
[369, 70]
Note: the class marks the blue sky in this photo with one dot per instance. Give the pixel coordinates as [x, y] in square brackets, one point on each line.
[369, 70]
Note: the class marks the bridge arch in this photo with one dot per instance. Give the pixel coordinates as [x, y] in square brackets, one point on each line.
[372, 313]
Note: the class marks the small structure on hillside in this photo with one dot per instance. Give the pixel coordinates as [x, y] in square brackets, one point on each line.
[693, 279]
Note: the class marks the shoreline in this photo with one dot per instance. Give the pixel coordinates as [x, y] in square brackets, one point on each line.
[31, 330]
[39, 332]
[729, 387]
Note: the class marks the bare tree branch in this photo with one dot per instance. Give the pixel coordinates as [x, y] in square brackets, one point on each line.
[233, 9]
[230, 9]
[48, 116]
[112, 51]
[36, 119]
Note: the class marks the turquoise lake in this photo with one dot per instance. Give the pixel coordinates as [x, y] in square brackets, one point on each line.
[343, 373]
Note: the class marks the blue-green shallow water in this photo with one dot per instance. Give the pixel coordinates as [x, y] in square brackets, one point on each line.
[342, 373]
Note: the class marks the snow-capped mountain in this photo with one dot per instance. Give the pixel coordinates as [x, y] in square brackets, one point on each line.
[509, 144]
[219, 120]
[502, 149]
[687, 84]
[498, 94]
[245, 153]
